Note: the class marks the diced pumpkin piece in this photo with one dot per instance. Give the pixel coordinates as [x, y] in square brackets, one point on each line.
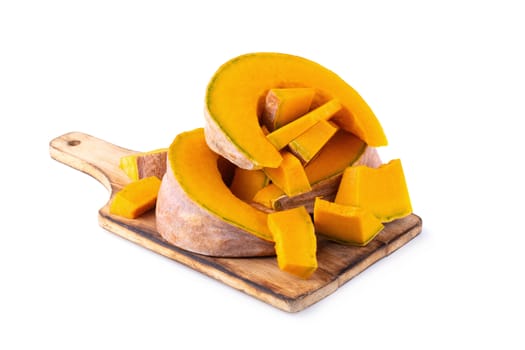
[345, 224]
[383, 191]
[136, 198]
[281, 137]
[289, 176]
[268, 195]
[145, 164]
[246, 183]
[307, 145]
[284, 105]
[341, 151]
[295, 241]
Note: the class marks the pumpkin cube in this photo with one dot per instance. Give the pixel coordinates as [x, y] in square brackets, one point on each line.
[140, 165]
[295, 241]
[307, 145]
[330, 161]
[383, 190]
[289, 176]
[136, 198]
[345, 224]
[285, 105]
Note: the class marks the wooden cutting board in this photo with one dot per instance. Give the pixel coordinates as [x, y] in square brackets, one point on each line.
[258, 277]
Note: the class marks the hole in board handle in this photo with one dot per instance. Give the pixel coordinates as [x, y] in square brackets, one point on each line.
[73, 142]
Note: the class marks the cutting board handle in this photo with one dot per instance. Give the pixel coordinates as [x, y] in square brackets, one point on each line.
[95, 157]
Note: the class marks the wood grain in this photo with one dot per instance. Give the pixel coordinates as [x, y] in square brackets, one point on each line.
[258, 277]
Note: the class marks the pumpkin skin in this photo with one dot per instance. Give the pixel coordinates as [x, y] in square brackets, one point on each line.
[235, 98]
[196, 210]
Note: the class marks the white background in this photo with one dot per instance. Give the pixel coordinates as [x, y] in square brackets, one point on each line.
[445, 78]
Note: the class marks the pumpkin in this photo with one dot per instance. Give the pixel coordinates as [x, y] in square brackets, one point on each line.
[246, 183]
[341, 151]
[284, 105]
[345, 224]
[307, 145]
[383, 190]
[289, 176]
[268, 195]
[197, 211]
[135, 198]
[324, 173]
[295, 241]
[235, 98]
[144, 164]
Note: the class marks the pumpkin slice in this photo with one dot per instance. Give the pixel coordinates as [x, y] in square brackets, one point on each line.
[235, 101]
[135, 198]
[289, 176]
[295, 241]
[307, 145]
[196, 210]
[284, 105]
[281, 137]
[246, 183]
[144, 164]
[345, 224]
[383, 191]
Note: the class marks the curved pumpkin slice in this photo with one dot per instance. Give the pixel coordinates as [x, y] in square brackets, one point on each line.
[196, 211]
[235, 100]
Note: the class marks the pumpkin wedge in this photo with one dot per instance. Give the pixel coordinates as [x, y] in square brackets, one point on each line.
[235, 98]
[307, 145]
[196, 210]
[284, 105]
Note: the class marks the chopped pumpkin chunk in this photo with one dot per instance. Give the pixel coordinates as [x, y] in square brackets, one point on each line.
[246, 183]
[383, 191]
[268, 195]
[284, 105]
[345, 224]
[307, 145]
[136, 198]
[289, 176]
[331, 160]
[144, 164]
[281, 137]
[295, 241]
